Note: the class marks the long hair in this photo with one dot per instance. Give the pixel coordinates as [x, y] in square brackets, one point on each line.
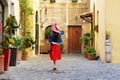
[56, 35]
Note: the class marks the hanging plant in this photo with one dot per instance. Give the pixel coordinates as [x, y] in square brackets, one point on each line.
[52, 1]
[74, 0]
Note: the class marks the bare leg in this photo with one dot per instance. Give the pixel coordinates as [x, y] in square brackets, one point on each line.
[54, 61]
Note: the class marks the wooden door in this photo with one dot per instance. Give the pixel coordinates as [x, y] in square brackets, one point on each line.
[74, 43]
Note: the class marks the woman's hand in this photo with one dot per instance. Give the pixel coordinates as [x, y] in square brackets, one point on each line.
[55, 43]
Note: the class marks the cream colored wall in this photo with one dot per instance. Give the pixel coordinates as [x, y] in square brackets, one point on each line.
[10, 8]
[100, 37]
[113, 27]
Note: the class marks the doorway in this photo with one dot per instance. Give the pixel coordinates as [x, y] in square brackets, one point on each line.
[36, 33]
[74, 34]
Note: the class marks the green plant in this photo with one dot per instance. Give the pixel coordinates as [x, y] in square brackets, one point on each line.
[96, 26]
[47, 32]
[90, 50]
[17, 41]
[25, 11]
[9, 32]
[74, 0]
[11, 25]
[61, 46]
[86, 39]
[1, 51]
[27, 42]
[52, 1]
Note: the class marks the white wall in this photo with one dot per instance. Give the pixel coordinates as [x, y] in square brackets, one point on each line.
[11, 9]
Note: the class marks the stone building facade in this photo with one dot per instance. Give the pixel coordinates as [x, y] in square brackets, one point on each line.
[65, 13]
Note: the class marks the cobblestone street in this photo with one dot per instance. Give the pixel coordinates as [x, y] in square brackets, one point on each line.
[71, 67]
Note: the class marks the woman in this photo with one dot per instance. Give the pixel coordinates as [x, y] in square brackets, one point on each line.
[55, 40]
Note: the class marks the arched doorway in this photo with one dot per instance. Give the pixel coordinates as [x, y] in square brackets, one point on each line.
[45, 47]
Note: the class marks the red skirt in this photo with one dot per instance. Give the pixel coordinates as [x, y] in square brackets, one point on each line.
[55, 52]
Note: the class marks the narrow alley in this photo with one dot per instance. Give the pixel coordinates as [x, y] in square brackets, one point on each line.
[71, 67]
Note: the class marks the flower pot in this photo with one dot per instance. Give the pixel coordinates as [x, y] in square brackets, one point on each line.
[13, 57]
[91, 56]
[24, 55]
[85, 54]
[85, 46]
[19, 56]
[7, 53]
[1, 63]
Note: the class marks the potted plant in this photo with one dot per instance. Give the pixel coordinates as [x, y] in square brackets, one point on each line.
[91, 53]
[1, 60]
[19, 56]
[8, 41]
[86, 42]
[14, 45]
[27, 42]
[96, 28]
[86, 39]
[6, 51]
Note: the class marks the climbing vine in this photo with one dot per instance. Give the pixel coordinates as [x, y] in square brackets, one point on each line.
[25, 12]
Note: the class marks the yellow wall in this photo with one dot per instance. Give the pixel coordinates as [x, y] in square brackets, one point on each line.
[35, 6]
[109, 23]
[100, 41]
[113, 27]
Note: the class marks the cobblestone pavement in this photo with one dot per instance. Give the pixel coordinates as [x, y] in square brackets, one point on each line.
[71, 67]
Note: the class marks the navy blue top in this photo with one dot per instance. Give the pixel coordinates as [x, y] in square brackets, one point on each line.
[53, 39]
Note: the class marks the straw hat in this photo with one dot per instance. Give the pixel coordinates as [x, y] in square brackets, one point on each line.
[55, 28]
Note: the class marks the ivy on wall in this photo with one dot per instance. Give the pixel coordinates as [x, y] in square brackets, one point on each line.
[25, 12]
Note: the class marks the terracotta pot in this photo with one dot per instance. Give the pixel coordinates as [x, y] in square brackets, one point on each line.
[19, 56]
[91, 56]
[85, 54]
[1, 63]
[85, 46]
[24, 55]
